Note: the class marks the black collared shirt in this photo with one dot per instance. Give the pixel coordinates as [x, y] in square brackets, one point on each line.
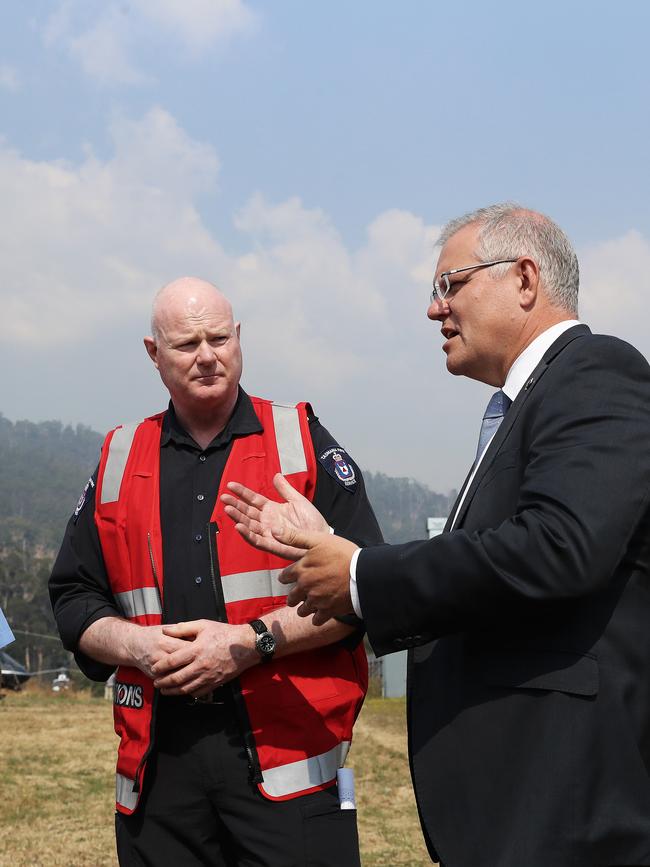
[189, 483]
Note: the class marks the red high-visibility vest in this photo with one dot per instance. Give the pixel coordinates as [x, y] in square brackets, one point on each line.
[297, 712]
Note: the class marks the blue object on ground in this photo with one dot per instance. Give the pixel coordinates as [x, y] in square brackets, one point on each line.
[6, 635]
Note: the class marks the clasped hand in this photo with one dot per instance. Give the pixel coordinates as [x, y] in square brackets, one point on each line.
[211, 654]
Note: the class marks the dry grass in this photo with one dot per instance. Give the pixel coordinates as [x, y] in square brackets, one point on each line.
[388, 821]
[57, 778]
[58, 764]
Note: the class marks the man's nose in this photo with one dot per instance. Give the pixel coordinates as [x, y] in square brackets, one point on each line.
[205, 353]
[437, 309]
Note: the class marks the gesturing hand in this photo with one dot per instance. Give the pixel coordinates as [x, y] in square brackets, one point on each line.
[321, 578]
[257, 517]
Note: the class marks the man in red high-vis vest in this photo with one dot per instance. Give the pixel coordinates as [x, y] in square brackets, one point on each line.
[233, 712]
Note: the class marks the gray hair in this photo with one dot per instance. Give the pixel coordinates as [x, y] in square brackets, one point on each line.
[508, 231]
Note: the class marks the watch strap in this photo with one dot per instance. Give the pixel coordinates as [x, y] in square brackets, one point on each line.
[259, 626]
[264, 641]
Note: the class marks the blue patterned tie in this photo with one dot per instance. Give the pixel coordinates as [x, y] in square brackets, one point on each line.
[496, 410]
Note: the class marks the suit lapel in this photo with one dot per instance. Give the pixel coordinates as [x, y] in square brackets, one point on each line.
[510, 418]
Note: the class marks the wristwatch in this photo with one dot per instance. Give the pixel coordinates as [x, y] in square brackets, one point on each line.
[264, 640]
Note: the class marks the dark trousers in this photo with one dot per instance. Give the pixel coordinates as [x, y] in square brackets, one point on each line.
[199, 808]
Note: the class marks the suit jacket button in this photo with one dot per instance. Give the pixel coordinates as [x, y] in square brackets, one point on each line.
[398, 642]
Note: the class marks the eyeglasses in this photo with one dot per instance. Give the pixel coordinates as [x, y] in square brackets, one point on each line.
[440, 292]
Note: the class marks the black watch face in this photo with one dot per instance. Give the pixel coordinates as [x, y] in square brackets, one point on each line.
[266, 643]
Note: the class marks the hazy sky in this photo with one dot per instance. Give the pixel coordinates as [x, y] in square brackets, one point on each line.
[303, 156]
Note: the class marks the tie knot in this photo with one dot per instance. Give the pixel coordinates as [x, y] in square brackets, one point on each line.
[498, 405]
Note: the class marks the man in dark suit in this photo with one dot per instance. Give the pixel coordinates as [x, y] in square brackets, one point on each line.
[529, 618]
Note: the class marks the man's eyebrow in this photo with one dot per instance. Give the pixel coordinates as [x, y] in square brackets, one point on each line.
[224, 331]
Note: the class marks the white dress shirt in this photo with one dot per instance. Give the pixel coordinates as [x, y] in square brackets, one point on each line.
[519, 373]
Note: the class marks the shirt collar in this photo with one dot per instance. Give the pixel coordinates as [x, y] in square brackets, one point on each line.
[528, 360]
[242, 422]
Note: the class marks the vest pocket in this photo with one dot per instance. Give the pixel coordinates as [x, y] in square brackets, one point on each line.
[290, 688]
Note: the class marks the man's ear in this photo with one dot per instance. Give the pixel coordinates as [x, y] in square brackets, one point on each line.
[152, 349]
[237, 328]
[528, 271]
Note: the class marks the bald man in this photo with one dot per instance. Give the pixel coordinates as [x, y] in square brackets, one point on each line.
[233, 712]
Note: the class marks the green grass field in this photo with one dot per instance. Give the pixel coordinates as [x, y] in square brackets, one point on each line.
[57, 783]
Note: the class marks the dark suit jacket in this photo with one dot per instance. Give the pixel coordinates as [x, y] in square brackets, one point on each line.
[529, 684]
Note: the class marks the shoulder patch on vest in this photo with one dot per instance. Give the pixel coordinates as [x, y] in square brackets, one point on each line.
[81, 502]
[340, 466]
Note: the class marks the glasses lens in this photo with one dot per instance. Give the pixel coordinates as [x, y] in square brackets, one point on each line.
[440, 287]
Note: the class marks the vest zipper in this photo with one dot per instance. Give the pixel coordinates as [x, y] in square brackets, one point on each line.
[254, 770]
[154, 703]
[155, 575]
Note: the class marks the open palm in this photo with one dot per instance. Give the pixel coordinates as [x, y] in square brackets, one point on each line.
[256, 517]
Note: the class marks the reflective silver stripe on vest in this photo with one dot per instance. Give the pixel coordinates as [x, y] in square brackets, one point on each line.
[252, 585]
[124, 794]
[298, 776]
[289, 439]
[139, 601]
[118, 453]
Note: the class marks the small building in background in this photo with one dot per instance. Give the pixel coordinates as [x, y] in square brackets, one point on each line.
[435, 526]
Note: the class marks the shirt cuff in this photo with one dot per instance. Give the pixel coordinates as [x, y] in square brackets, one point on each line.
[354, 593]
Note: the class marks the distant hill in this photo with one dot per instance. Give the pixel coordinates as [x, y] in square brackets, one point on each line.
[43, 468]
[403, 505]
